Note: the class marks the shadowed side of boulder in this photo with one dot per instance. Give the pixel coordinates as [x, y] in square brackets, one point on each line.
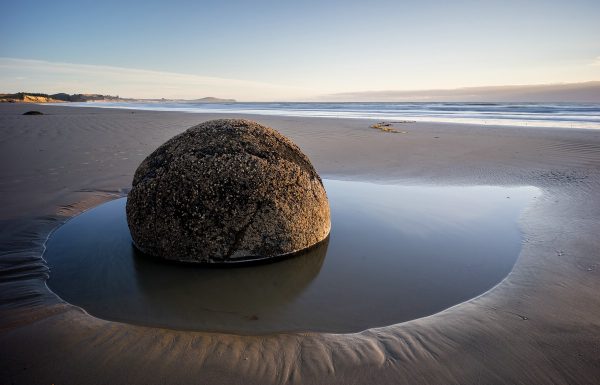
[227, 191]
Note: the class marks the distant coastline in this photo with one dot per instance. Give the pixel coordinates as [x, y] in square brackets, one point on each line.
[583, 92]
[36, 97]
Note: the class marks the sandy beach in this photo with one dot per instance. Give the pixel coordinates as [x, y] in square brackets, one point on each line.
[540, 325]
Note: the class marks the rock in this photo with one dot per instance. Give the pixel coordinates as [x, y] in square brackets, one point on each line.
[227, 191]
[33, 113]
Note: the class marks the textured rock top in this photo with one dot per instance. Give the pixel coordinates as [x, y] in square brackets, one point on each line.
[227, 190]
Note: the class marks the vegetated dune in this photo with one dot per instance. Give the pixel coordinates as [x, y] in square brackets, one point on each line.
[27, 98]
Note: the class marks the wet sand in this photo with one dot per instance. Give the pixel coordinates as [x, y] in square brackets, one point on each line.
[540, 325]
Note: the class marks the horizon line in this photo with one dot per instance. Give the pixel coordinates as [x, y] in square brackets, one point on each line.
[57, 77]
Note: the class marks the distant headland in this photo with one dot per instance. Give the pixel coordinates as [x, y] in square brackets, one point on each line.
[36, 97]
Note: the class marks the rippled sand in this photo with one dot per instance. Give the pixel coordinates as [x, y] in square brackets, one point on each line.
[540, 325]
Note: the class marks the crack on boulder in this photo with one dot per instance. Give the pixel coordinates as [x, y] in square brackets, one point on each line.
[241, 233]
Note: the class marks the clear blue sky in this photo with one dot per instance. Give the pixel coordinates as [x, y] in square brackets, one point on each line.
[293, 49]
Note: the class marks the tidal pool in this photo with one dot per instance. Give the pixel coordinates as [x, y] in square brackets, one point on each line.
[395, 253]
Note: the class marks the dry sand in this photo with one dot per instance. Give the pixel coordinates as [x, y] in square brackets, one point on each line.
[541, 325]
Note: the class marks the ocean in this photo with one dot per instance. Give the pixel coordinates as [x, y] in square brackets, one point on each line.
[559, 115]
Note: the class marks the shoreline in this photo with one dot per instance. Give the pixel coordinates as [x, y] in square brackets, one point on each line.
[402, 117]
[551, 344]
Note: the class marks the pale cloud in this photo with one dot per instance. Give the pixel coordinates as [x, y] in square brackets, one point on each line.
[51, 77]
[586, 92]
[45, 76]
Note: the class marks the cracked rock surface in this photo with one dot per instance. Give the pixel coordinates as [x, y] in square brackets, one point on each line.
[227, 190]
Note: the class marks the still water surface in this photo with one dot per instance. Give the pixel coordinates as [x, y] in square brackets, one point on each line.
[395, 253]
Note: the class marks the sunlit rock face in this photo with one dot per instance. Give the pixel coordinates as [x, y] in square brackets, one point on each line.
[227, 191]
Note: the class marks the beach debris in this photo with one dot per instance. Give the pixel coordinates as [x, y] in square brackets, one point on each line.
[33, 113]
[227, 191]
[387, 127]
[521, 316]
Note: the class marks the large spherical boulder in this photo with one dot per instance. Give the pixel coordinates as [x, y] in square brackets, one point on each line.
[224, 191]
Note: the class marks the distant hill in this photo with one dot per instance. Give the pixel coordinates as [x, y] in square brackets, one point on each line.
[210, 99]
[33, 97]
[86, 97]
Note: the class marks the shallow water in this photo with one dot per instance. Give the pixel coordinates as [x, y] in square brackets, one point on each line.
[564, 115]
[395, 253]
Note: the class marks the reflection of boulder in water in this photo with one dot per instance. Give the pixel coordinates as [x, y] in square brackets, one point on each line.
[183, 292]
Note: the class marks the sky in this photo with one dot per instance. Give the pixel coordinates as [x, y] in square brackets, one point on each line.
[292, 50]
